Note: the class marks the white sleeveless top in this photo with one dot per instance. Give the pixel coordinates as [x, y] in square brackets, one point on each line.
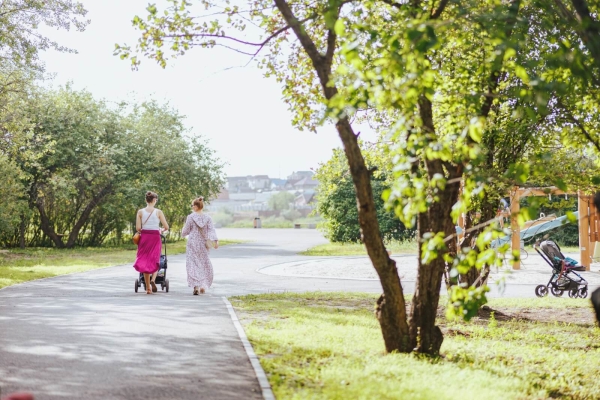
[153, 223]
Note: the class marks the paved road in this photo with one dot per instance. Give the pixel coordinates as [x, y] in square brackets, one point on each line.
[89, 336]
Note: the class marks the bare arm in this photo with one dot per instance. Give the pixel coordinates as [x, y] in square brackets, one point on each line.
[138, 221]
[187, 228]
[163, 221]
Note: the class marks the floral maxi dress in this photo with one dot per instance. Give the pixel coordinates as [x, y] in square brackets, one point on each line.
[199, 227]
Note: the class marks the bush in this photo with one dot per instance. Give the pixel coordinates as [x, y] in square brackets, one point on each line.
[338, 208]
[291, 215]
[222, 219]
[281, 201]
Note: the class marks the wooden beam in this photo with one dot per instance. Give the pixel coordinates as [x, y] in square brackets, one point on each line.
[514, 225]
[584, 230]
[592, 228]
[540, 191]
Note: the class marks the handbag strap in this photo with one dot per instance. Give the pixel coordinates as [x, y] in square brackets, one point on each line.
[147, 218]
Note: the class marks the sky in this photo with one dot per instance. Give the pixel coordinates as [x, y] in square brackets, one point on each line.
[240, 113]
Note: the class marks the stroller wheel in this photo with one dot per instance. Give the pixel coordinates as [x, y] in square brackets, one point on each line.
[574, 293]
[541, 291]
[137, 285]
[556, 292]
[583, 292]
[167, 285]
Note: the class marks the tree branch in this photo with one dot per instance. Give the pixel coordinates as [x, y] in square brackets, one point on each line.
[589, 29]
[579, 124]
[439, 10]
[308, 45]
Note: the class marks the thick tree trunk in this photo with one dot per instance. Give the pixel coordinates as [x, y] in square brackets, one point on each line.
[425, 336]
[22, 227]
[86, 214]
[391, 307]
[46, 225]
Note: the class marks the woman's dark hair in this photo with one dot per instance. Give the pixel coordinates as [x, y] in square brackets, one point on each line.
[199, 202]
[150, 196]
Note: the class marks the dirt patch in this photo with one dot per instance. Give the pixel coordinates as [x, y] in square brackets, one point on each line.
[579, 316]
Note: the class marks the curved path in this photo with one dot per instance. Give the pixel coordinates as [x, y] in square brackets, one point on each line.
[89, 336]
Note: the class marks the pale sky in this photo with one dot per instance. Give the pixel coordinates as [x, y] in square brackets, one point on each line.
[237, 110]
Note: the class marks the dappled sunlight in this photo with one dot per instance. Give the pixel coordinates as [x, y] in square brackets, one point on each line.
[89, 334]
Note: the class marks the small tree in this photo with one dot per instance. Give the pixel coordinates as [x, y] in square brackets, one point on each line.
[336, 199]
[281, 201]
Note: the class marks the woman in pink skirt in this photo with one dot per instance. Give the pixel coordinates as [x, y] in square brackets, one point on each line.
[201, 231]
[148, 222]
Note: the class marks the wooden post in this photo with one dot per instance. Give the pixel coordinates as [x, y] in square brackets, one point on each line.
[514, 225]
[584, 230]
[461, 225]
[593, 229]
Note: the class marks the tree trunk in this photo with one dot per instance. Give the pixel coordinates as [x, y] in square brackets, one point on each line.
[86, 214]
[46, 225]
[22, 227]
[391, 306]
[425, 336]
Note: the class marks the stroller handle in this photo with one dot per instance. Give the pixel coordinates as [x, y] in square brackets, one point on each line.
[164, 241]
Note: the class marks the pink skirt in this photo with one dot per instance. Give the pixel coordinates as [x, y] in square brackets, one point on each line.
[148, 253]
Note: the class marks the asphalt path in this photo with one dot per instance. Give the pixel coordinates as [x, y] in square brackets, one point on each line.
[90, 336]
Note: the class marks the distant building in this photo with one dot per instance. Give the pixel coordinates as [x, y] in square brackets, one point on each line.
[259, 182]
[306, 184]
[223, 195]
[305, 199]
[278, 184]
[237, 184]
[296, 176]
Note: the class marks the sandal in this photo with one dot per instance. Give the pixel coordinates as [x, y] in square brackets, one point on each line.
[195, 291]
[202, 290]
[154, 288]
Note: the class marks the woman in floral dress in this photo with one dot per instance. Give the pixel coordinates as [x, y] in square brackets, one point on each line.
[201, 231]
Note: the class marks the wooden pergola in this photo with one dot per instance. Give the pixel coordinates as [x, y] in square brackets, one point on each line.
[589, 223]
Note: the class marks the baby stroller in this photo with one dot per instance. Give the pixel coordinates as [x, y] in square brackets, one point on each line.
[564, 278]
[161, 277]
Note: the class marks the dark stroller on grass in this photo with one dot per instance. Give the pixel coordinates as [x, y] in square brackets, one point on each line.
[564, 278]
[161, 277]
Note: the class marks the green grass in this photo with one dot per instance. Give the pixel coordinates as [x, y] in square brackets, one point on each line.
[358, 249]
[17, 266]
[329, 346]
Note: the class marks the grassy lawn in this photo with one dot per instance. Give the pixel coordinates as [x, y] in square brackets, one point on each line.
[329, 346]
[18, 265]
[358, 249]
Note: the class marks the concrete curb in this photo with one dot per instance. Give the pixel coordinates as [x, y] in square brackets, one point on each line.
[258, 370]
